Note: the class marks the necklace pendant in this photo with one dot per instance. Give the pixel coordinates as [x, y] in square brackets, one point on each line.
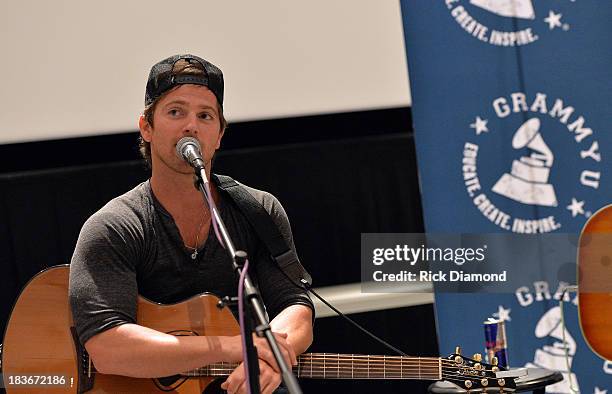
[194, 255]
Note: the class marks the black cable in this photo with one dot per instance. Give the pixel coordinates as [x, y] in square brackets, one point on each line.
[307, 286]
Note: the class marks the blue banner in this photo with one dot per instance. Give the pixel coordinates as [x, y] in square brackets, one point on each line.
[511, 117]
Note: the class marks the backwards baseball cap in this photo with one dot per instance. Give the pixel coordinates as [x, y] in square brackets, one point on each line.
[163, 77]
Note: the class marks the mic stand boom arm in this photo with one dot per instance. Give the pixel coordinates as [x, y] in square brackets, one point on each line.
[252, 297]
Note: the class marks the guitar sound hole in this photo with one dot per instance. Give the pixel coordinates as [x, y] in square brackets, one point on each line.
[215, 387]
[168, 380]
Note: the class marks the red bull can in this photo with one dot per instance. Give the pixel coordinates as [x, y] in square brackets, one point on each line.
[495, 341]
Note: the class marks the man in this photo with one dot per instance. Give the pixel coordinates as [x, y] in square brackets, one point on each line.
[157, 240]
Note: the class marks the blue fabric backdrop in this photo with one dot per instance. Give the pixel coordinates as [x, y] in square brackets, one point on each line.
[511, 108]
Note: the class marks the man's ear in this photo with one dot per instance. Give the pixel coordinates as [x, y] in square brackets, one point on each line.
[219, 139]
[145, 128]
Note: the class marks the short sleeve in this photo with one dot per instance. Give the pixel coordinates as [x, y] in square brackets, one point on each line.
[103, 290]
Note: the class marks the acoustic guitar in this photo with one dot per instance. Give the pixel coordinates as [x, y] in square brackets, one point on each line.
[42, 354]
[595, 282]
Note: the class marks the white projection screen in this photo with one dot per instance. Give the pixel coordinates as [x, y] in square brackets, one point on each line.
[73, 68]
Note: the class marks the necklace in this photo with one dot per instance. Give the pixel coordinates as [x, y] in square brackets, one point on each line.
[194, 255]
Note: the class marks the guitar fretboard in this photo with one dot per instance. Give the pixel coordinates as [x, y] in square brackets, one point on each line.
[348, 366]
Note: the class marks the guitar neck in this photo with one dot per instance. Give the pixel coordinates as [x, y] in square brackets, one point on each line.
[348, 366]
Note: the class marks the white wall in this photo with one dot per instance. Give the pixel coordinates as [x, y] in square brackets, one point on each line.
[79, 67]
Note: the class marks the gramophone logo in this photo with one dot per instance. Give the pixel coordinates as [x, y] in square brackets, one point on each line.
[509, 23]
[554, 164]
[528, 180]
[553, 356]
[552, 343]
[511, 8]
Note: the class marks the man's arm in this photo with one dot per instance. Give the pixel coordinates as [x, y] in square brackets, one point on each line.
[137, 351]
[296, 322]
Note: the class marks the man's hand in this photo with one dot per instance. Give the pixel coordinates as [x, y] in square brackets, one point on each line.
[264, 352]
[269, 379]
[270, 373]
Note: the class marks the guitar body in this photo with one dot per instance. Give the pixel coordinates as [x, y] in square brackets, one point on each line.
[39, 341]
[595, 282]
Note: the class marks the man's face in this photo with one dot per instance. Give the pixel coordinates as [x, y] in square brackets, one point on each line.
[188, 110]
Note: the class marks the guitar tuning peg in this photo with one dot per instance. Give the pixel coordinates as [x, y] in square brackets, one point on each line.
[458, 350]
[494, 361]
[477, 357]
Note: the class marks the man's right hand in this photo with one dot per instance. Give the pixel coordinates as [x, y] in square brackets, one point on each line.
[234, 350]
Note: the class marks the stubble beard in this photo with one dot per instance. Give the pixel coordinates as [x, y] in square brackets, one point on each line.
[174, 164]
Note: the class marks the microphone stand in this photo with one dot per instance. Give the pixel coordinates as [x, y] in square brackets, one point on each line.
[251, 295]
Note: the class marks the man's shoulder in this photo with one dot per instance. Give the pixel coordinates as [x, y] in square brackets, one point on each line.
[130, 207]
[265, 198]
[274, 208]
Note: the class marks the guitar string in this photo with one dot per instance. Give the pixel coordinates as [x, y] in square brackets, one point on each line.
[395, 366]
[447, 371]
[320, 364]
[428, 364]
[322, 373]
[425, 363]
[313, 375]
[372, 367]
[434, 364]
[375, 357]
[222, 369]
[364, 376]
[200, 372]
[390, 361]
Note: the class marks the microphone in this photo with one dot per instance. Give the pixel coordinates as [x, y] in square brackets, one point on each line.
[188, 149]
